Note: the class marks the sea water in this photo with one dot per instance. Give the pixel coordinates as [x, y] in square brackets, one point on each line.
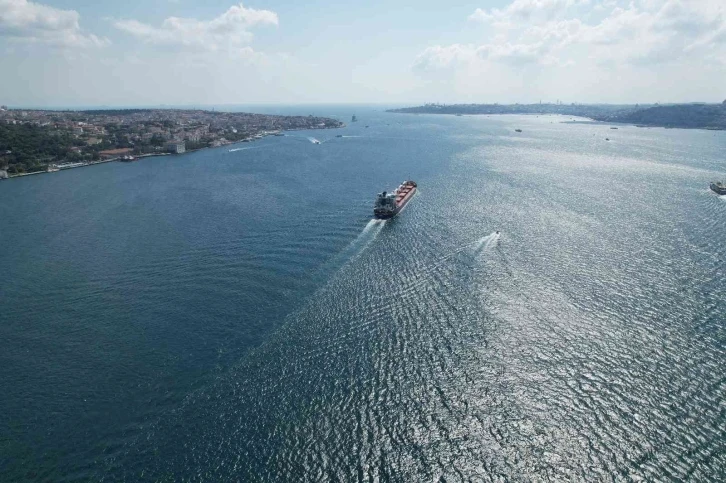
[236, 315]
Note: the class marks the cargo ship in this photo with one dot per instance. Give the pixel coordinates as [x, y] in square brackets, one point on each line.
[718, 187]
[389, 205]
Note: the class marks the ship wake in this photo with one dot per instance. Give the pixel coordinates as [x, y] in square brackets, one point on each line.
[358, 245]
[243, 149]
[487, 243]
[369, 233]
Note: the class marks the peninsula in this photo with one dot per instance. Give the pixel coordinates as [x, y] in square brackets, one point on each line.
[34, 141]
[688, 116]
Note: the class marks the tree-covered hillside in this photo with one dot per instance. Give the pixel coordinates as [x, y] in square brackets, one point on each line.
[25, 148]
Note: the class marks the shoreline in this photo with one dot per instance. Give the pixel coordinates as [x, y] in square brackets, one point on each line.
[256, 137]
[675, 116]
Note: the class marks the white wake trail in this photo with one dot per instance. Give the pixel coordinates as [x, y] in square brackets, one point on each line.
[487, 243]
[234, 150]
[358, 245]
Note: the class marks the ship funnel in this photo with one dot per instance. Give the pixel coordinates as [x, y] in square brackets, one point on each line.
[384, 194]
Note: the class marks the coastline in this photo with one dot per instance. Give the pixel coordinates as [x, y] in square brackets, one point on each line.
[708, 117]
[256, 137]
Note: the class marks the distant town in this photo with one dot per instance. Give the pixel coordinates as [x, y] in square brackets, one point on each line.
[687, 116]
[36, 141]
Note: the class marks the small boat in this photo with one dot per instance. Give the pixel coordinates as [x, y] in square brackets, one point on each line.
[338, 135]
[718, 187]
[613, 127]
[607, 139]
[517, 130]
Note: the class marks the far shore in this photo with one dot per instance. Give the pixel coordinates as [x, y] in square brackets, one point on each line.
[710, 117]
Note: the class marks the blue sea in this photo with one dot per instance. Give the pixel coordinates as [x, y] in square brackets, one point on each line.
[551, 306]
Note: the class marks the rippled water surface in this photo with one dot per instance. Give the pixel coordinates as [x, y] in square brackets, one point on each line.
[235, 315]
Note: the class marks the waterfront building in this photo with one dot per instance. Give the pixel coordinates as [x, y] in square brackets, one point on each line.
[176, 147]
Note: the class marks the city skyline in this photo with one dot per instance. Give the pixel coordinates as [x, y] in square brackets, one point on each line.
[64, 53]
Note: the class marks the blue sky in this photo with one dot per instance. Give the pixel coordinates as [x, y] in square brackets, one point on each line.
[73, 52]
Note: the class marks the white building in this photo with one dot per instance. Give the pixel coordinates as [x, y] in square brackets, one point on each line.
[176, 147]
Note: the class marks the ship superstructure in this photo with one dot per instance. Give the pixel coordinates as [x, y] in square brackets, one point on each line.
[390, 204]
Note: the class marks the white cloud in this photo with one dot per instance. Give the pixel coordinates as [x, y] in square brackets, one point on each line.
[596, 51]
[526, 9]
[557, 32]
[514, 53]
[21, 20]
[438, 57]
[229, 31]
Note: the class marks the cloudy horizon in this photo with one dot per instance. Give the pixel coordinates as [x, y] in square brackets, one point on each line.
[65, 53]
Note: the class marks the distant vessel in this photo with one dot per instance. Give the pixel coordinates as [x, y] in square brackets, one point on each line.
[607, 139]
[518, 130]
[127, 159]
[389, 205]
[718, 187]
[354, 119]
[315, 141]
[613, 127]
[338, 135]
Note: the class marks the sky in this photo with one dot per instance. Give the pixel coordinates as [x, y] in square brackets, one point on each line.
[186, 52]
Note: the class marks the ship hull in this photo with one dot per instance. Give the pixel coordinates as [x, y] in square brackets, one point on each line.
[721, 190]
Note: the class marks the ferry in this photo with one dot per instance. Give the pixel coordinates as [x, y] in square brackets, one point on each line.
[718, 187]
[389, 205]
